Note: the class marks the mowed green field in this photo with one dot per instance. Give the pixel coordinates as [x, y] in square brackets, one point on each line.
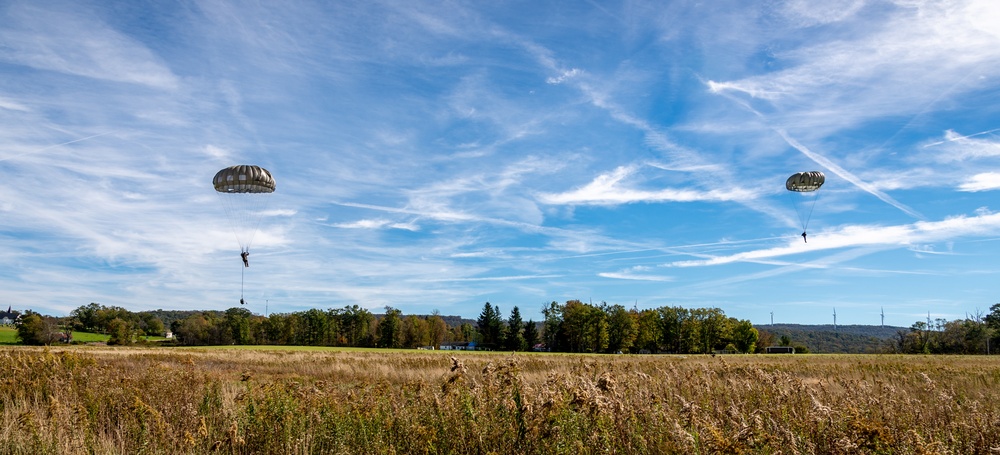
[8, 335]
[94, 399]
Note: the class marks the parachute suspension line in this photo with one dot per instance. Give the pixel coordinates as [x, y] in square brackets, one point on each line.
[804, 209]
[260, 205]
[246, 212]
[242, 275]
[805, 224]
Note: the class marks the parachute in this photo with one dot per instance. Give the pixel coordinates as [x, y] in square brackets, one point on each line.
[802, 187]
[805, 182]
[244, 191]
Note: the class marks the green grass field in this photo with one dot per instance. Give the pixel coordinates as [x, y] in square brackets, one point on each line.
[8, 335]
[87, 337]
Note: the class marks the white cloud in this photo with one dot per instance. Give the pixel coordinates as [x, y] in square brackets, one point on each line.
[981, 182]
[806, 13]
[637, 273]
[916, 55]
[216, 152]
[563, 77]
[607, 189]
[489, 278]
[920, 232]
[12, 105]
[364, 224]
[80, 45]
[956, 147]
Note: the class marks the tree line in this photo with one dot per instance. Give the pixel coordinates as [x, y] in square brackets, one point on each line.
[571, 327]
[574, 326]
[976, 334]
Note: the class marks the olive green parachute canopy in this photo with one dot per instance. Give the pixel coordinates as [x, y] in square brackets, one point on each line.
[244, 178]
[244, 191]
[804, 182]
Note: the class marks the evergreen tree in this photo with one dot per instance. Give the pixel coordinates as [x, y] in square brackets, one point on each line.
[530, 335]
[514, 341]
[490, 326]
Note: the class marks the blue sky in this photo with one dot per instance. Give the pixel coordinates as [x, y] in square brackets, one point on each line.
[439, 155]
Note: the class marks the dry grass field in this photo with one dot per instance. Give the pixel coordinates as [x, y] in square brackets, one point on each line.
[239, 401]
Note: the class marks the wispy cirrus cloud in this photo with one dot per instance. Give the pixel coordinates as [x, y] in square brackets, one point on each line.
[637, 273]
[862, 76]
[610, 189]
[49, 40]
[955, 147]
[377, 223]
[867, 236]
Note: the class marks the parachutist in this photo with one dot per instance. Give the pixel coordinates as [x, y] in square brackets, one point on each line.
[805, 183]
[245, 255]
[242, 302]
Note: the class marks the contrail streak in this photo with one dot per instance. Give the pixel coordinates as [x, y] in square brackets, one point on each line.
[819, 159]
[54, 146]
[953, 139]
[847, 175]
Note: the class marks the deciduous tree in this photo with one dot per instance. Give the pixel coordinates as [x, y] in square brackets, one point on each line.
[35, 329]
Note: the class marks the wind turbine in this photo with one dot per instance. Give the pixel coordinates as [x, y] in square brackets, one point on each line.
[835, 319]
[883, 317]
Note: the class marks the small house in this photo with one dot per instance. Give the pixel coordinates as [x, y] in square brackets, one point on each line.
[8, 317]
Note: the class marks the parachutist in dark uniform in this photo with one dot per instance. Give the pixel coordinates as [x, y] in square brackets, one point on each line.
[242, 302]
[245, 255]
[804, 237]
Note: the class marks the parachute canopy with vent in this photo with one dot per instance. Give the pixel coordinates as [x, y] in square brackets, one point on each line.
[244, 178]
[244, 191]
[804, 182]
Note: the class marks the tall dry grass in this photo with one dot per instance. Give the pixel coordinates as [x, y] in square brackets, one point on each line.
[236, 401]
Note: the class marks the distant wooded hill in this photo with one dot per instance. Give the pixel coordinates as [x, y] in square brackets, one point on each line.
[844, 339]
